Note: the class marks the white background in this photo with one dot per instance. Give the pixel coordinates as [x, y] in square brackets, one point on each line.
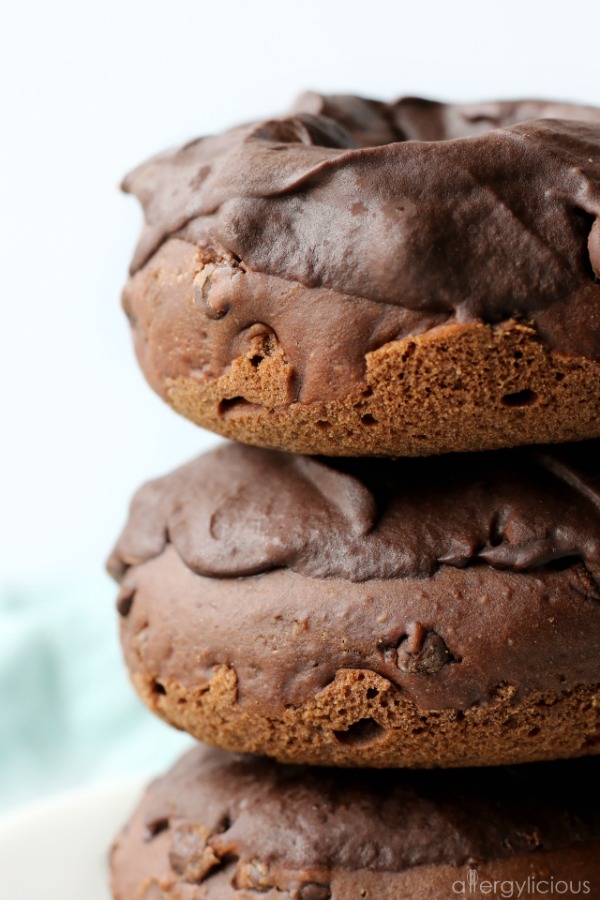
[89, 90]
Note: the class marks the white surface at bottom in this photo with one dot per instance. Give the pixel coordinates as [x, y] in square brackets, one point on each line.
[58, 849]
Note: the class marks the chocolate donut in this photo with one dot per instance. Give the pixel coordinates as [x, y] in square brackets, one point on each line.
[361, 278]
[221, 827]
[422, 612]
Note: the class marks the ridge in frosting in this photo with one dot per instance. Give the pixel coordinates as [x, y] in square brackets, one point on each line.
[279, 820]
[239, 510]
[481, 212]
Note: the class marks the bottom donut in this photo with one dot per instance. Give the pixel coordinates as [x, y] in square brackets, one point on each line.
[222, 826]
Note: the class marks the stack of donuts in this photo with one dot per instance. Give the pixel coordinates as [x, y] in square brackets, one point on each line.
[378, 604]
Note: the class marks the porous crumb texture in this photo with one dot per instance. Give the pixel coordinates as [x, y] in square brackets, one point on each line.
[450, 387]
[384, 279]
[459, 388]
[363, 720]
[455, 388]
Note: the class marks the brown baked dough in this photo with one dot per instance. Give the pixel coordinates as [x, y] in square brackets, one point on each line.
[377, 279]
[419, 612]
[221, 827]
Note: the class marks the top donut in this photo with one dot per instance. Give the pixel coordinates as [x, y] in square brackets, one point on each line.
[363, 278]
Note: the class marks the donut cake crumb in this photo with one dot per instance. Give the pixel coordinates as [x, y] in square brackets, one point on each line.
[360, 278]
[423, 612]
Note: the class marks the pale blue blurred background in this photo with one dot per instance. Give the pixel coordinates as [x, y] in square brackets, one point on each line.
[89, 90]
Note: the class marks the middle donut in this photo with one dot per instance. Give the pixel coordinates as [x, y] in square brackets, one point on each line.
[421, 612]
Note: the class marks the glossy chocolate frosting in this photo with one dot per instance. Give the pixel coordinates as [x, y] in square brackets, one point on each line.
[448, 576]
[276, 821]
[451, 213]
[241, 510]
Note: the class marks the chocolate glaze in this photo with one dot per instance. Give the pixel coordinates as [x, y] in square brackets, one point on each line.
[447, 576]
[213, 309]
[241, 510]
[286, 820]
[425, 212]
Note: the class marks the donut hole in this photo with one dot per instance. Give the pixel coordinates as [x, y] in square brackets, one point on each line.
[158, 688]
[368, 419]
[520, 398]
[361, 733]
